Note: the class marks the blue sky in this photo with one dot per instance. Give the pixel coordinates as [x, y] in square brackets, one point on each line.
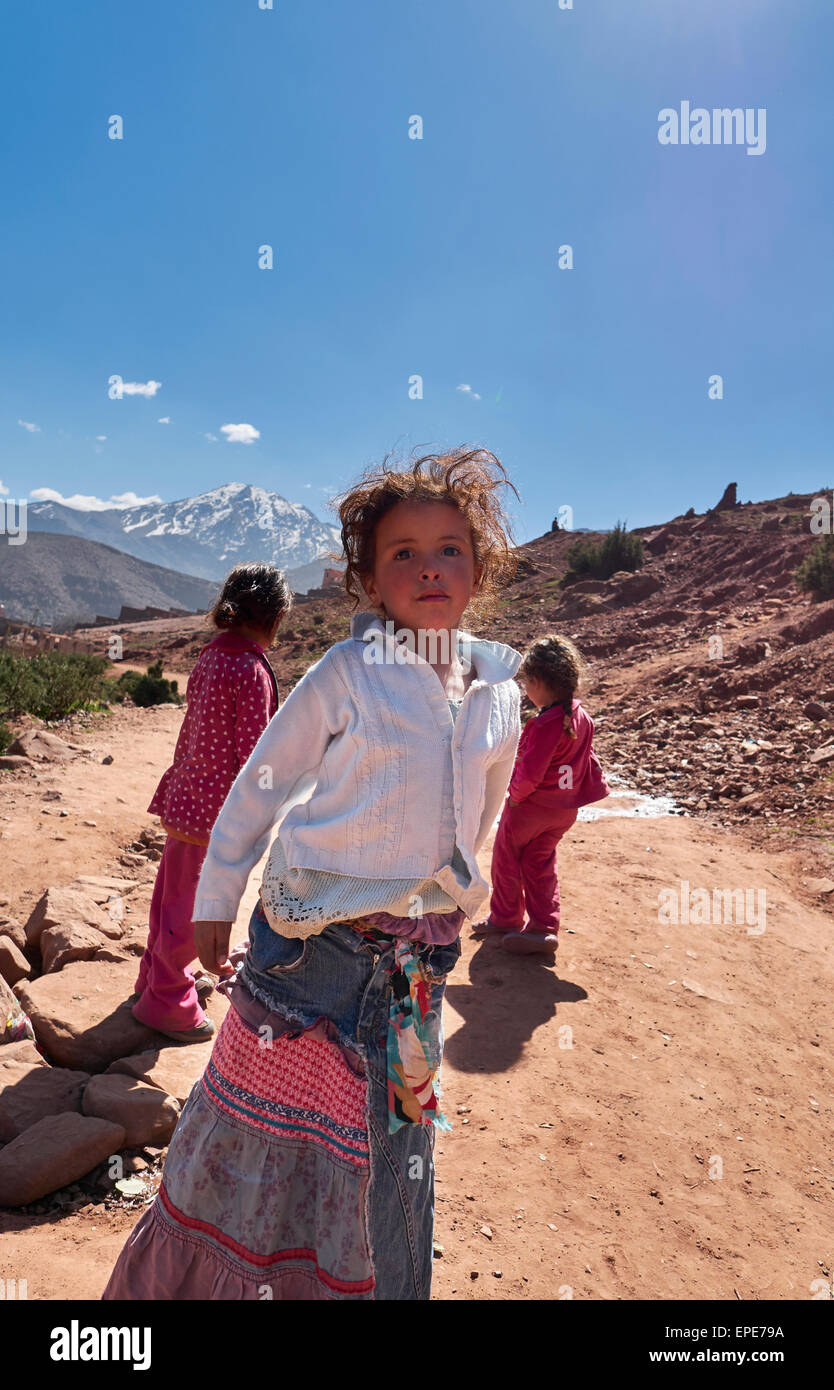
[437, 257]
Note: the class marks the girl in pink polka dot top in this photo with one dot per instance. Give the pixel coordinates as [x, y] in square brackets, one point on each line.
[232, 695]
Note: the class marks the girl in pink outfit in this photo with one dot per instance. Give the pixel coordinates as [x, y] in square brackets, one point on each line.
[232, 695]
[556, 772]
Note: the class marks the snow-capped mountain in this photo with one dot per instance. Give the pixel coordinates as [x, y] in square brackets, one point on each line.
[205, 535]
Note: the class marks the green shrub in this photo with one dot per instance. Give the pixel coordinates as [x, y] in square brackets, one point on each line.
[154, 689]
[619, 550]
[50, 685]
[16, 685]
[318, 617]
[150, 689]
[816, 573]
[6, 736]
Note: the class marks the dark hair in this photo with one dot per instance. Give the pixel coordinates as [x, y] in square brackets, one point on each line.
[555, 662]
[252, 596]
[468, 479]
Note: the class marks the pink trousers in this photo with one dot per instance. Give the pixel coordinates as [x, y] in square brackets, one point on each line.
[165, 985]
[524, 872]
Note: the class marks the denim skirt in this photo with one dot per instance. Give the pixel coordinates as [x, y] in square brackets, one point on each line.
[282, 1179]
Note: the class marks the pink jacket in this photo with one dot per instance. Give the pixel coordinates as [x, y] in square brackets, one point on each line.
[232, 695]
[551, 768]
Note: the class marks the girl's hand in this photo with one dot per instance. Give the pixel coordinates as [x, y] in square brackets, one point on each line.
[212, 942]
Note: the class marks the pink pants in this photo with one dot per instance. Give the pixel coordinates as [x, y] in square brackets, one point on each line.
[524, 867]
[165, 985]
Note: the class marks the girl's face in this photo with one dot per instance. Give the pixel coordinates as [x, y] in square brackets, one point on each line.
[424, 572]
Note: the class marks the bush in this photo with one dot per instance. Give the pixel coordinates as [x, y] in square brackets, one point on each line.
[318, 617]
[620, 550]
[51, 685]
[816, 573]
[6, 736]
[150, 689]
[55, 684]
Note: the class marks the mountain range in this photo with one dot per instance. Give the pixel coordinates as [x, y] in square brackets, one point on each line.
[205, 536]
[52, 579]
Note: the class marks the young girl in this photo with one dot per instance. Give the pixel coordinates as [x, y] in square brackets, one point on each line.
[232, 695]
[302, 1164]
[556, 772]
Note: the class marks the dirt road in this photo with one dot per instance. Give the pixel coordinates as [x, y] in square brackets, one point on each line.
[650, 1118]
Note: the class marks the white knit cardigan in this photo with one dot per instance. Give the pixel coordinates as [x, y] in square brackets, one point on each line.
[395, 781]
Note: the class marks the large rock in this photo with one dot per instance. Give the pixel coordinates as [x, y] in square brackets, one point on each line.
[581, 605]
[73, 941]
[9, 926]
[59, 907]
[14, 763]
[102, 887]
[22, 1051]
[81, 1016]
[635, 587]
[174, 1070]
[825, 754]
[728, 499]
[56, 1151]
[30, 1090]
[147, 1114]
[13, 964]
[751, 653]
[41, 744]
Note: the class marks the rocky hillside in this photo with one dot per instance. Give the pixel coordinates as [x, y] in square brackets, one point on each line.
[711, 676]
[62, 577]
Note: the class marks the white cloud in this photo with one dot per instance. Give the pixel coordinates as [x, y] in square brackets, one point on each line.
[212, 438]
[240, 434]
[101, 438]
[81, 503]
[27, 425]
[467, 391]
[140, 388]
[4, 491]
[164, 420]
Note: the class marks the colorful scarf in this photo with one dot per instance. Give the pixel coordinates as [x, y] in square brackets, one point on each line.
[413, 1048]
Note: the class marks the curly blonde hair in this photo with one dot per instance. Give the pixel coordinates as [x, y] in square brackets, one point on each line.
[466, 477]
[556, 662]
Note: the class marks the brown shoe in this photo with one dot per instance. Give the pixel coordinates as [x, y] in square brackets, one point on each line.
[201, 1033]
[203, 984]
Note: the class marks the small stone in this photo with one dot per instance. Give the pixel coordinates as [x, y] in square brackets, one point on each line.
[107, 759]
[486, 1231]
[823, 886]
